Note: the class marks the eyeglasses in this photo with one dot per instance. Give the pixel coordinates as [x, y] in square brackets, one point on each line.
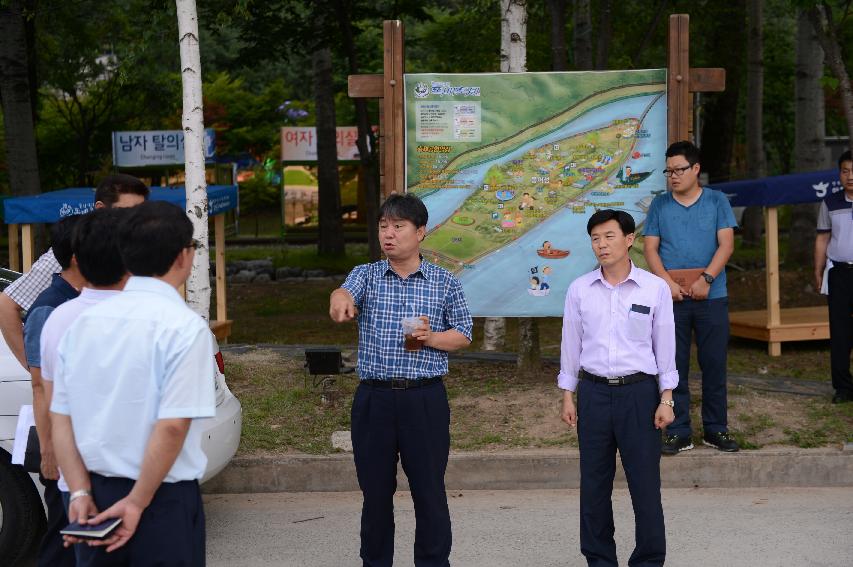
[677, 171]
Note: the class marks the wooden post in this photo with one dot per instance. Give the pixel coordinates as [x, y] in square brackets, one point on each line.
[678, 78]
[771, 245]
[393, 141]
[14, 248]
[28, 246]
[219, 243]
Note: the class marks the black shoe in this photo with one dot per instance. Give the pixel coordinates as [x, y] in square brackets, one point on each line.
[842, 398]
[674, 444]
[721, 441]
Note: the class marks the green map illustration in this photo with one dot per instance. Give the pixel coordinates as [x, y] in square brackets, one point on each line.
[511, 166]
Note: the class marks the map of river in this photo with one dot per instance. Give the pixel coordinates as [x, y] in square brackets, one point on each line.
[509, 217]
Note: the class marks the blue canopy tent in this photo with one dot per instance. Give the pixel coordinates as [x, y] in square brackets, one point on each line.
[774, 324]
[22, 212]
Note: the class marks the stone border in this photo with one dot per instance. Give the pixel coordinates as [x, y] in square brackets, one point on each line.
[702, 467]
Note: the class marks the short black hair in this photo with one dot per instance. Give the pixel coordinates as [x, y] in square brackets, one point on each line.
[152, 237]
[404, 207]
[96, 246]
[686, 149]
[846, 156]
[61, 234]
[626, 221]
[112, 186]
[535, 278]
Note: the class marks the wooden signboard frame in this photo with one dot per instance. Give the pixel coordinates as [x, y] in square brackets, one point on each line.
[772, 325]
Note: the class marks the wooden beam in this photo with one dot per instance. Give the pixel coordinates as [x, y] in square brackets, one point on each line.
[14, 248]
[707, 80]
[678, 78]
[219, 243]
[365, 86]
[28, 246]
[771, 244]
[392, 101]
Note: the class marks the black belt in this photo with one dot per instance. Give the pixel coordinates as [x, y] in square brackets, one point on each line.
[402, 383]
[840, 264]
[615, 380]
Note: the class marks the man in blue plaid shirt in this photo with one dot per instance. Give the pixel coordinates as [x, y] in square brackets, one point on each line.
[400, 408]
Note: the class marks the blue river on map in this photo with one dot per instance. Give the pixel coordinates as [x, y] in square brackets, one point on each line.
[497, 284]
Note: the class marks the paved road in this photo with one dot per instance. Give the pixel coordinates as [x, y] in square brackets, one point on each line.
[537, 528]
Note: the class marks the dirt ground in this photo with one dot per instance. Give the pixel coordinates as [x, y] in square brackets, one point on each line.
[492, 409]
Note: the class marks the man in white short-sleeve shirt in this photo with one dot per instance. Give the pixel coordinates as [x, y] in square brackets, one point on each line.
[132, 375]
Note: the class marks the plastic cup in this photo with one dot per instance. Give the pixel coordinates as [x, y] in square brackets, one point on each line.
[410, 325]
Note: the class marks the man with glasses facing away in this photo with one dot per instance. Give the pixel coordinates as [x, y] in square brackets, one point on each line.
[692, 228]
[618, 353]
[400, 409]
[132, 378]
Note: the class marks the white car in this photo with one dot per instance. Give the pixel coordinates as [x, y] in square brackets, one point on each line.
[22, 515]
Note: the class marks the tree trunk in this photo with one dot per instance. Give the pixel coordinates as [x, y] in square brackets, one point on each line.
[605, 34]
[17, 100]
[582, 36]
[821, 19]
[514, 60]
[198, 284]
[559, 58]
[752, 223]
[331, 235]
[368, 153]
[720, 112]
[810, 153]
[513, 36]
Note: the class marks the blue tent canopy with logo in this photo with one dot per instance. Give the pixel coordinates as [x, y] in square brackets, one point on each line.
[52, 206]
[781, 189]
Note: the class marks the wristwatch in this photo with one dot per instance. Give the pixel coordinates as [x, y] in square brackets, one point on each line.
[670, 403]
[708, 277]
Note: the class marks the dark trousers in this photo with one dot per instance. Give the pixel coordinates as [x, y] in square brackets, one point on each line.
[51, 552]
[414, 425]
[170, 532]
[611, 417]
[841, 327]
[709, 319]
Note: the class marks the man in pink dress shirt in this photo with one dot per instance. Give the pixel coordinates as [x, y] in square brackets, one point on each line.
[618, 353]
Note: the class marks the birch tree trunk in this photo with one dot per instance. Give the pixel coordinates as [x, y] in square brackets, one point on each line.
[514, 60]
[198, 284]
[753, 218]
[331, 234]
[582, 36]
[17, 100]
[810, 152]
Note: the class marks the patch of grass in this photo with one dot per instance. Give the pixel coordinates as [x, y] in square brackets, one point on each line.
[752, 426]
[296, 175]
[299, 256]
[280, 412]
[825, 424]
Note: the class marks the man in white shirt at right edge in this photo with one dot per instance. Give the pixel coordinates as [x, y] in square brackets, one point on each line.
[132, 377]
[618, 352]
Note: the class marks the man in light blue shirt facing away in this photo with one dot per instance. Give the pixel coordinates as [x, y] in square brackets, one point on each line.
[132, 377]
[692, 227]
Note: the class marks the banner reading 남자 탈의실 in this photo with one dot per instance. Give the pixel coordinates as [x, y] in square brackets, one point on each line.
[156, 147]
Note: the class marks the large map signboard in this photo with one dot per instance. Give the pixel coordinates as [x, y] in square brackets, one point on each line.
[512, 165]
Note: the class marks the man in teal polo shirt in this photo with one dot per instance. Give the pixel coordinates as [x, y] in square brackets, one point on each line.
[691, 227]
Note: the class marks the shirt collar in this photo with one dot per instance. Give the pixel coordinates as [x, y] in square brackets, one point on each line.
[97, 294]
[61, 285]
[633, 275]
[425, 269]
[152, 285]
